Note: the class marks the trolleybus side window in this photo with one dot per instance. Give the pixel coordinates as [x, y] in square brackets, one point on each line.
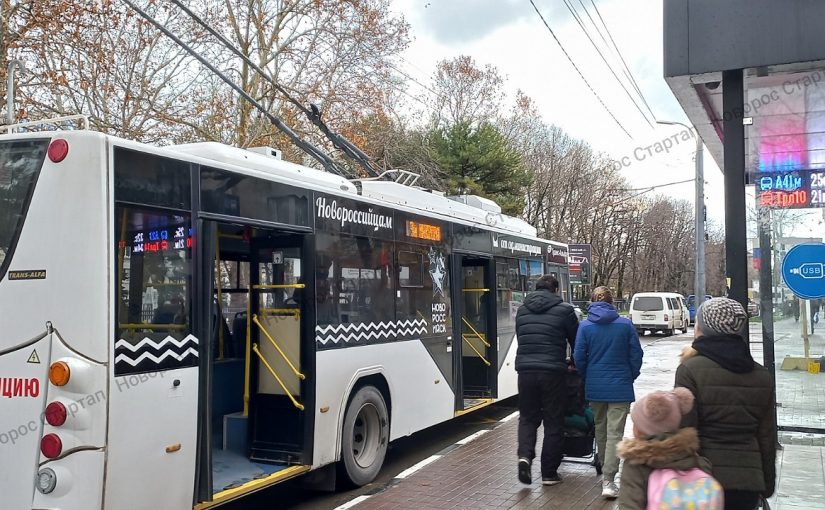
[354, 282]
[424, 292]
[514, 279]
[142, 178]
[20, 163]
[235, 194]
[154, 291]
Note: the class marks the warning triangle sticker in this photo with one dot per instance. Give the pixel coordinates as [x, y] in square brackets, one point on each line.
[34, 358]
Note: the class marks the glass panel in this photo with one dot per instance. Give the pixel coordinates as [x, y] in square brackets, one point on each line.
[410, 269]
[279, 317]
[474, 309]
[240, 195]
[234, 282]
[429, 300]
[354, 281]
[154, 290]
[798, 330]
[142, 178]
[511, 288]
[20, 163]
[648, 304]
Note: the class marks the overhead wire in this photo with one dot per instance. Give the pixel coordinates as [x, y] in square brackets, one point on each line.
[313, 113]
[578, 19]
[628, 72]
[316, 153]
[643, 191]
[570, 59]
[614, 51]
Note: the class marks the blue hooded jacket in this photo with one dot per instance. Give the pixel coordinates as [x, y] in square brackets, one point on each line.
[608, 354]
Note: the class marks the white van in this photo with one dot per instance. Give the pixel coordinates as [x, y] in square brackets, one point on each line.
[659, 311]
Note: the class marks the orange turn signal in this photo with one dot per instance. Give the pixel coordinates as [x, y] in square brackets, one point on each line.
[59, 373]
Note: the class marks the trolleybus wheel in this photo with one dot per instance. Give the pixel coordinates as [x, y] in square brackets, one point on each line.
[365, 436]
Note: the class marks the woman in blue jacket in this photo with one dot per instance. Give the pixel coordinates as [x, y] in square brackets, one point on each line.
[609, 357]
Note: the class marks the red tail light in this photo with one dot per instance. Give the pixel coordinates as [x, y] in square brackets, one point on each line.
[58, 150]
[51, 446]
[666, 318]
[56, 414]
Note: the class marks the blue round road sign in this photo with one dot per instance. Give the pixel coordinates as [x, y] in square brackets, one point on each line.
[803, 270]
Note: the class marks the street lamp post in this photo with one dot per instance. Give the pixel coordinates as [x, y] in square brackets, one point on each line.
[699, 281]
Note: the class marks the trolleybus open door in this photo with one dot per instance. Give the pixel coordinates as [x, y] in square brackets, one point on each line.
[259, 386]
[476, 345]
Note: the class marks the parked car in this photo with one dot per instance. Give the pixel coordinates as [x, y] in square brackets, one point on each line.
[691, 304]
[659, 311]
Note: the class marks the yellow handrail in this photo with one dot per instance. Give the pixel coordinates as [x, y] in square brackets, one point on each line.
[476, 333]
[475, 290]
[297, 404]
[248, 353]
[422, 316]
[275, 344]
[476, 351]
[280, 286]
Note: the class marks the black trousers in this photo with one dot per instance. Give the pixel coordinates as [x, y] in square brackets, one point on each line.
[741, 500]
[541, 398]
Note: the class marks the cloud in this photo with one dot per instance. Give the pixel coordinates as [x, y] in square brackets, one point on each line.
[465, 21]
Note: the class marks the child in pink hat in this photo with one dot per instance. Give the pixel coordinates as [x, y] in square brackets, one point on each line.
[661, 446]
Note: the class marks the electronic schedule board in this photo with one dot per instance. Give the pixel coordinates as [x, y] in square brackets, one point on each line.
[797, 189]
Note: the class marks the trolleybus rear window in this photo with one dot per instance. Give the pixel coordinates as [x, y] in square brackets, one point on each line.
[20, 163]
[154, 291]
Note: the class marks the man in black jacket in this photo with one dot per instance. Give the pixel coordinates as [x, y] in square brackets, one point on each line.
[545, 325]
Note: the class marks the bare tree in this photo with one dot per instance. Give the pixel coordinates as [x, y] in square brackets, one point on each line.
[465, 92]
[101, 59]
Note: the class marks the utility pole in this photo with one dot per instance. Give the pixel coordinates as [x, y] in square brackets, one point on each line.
[10, 89]
[699, 215]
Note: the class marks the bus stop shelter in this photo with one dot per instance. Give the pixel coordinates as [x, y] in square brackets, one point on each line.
[750, 75]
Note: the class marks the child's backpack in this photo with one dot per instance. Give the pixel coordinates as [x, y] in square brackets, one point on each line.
[671, 489]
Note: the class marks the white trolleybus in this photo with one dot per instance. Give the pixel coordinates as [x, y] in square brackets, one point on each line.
[182, 326]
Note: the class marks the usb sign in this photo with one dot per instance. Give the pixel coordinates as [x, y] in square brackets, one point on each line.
[810, 270]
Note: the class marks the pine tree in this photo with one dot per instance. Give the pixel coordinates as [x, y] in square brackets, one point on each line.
[478, 160]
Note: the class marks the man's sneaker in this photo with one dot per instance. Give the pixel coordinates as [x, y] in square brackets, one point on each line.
[553, 479]
[524, 475]
[609, 490]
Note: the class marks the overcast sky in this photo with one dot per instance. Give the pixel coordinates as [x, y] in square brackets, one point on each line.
[509, 35]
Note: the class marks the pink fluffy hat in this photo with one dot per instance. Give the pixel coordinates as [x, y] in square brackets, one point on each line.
[661, 412]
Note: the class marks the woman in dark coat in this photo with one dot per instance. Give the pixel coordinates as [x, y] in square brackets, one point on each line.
[734, 407]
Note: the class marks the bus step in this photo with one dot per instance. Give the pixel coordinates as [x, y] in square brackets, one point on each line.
[274, 454]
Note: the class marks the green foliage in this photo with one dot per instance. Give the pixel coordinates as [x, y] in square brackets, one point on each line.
[479, 160]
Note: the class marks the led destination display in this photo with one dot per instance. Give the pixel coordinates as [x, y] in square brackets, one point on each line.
[798, 189]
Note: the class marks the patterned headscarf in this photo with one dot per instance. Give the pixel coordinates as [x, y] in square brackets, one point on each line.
[721, 316]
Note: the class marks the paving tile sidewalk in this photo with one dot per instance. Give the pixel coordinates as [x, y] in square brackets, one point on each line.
[482, 473]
